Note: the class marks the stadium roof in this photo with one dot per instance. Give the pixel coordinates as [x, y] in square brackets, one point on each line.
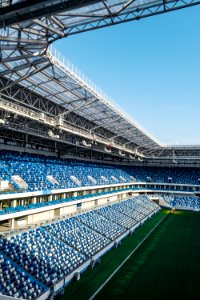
[70, 16]
[59, 81]
[27, 30]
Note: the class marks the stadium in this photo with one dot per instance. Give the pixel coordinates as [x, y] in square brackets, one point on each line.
[92, 206]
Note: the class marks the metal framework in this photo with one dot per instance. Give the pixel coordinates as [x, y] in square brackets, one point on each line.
[46, 88]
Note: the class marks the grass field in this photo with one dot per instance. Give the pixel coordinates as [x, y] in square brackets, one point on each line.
[166, 266]
[91, 280]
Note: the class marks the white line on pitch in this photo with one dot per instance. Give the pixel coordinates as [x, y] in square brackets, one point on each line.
[119, 267]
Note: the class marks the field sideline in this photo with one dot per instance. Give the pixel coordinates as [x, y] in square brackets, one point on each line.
[91, 280]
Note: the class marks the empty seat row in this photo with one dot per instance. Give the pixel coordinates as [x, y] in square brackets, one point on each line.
[36, 171]
[190, 202]
[15, 282]
[102, 225]
[33, 261]
[79, 236]
[42, 255]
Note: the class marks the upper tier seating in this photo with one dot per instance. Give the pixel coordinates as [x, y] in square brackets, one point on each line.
[162, 174]
[36, 169]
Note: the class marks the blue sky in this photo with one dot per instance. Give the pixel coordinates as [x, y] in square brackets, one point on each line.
[151, 68]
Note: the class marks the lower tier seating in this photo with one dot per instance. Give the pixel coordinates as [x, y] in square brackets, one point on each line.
[79, 236]
[186, 202]
[42, 255]
[33, 261]
[102, 225]
[117, 217]
[15, 282]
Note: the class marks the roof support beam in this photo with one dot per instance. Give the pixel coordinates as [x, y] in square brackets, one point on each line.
[25, 76]
[121, 132]
[15, 58]
[25, 10]
[23, 67]
[49, 28]
[102, 125]
[125, 6]
[22, 40]
[80, 107]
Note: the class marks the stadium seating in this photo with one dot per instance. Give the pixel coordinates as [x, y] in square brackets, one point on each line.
[184, 202]
[140, 206]
[162, 175]
[102, 225]
[168, 198]
[117, 217]
[33, 261]
[16, 282]
[35, 170]
[3, 173]
[42, 255]
[143, 201]
[132, 212]
[79, 236]
[181, 201]
[187, 202]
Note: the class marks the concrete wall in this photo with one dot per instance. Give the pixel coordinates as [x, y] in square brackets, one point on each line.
[88, 204]
[68, 210]
[40, 216]
[113, 198]
[45, 213]
[102, 201]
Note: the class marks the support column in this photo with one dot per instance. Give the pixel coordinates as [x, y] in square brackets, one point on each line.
[12, 223]
[13, 203]
[57, 212]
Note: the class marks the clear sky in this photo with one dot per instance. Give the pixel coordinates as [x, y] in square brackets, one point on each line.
[151, 68]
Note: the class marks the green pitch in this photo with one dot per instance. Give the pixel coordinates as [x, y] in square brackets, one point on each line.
[165, 266]
[91, 280]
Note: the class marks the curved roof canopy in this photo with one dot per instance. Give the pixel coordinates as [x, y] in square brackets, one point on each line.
[28, 28]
